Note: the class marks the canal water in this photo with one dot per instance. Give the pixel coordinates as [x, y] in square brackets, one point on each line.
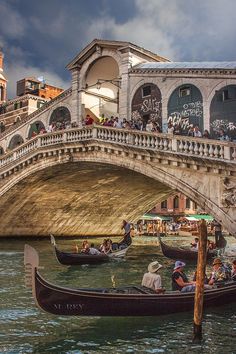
[26, 329]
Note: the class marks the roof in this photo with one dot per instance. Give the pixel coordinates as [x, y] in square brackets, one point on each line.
[187, 65]
[91, 47]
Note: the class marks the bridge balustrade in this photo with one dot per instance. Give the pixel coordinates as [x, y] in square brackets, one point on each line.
[204, 148]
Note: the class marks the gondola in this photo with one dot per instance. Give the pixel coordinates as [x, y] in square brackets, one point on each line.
[183, 253]
[67, 258]
[126, 301]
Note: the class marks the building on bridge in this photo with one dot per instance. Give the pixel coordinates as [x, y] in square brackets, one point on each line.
[116, 78]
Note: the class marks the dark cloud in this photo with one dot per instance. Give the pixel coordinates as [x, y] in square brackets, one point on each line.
[45, 35]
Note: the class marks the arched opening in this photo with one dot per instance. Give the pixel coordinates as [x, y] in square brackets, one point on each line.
[15, 141]
[223, 112]
[185, 108]
[36, 128]
[146, 105]
[60, 117]
[101, 91]
[1, 151]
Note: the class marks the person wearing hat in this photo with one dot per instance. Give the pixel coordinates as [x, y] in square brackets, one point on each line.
[219, 273]
[152, 280]
[179, 278]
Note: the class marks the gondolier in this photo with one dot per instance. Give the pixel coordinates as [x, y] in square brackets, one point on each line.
[127, 238]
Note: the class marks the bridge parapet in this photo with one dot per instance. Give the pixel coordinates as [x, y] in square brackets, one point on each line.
[180, 145]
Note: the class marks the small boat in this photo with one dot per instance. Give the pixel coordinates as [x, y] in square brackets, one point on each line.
[68, 258]
[183, 253]
[124, 301]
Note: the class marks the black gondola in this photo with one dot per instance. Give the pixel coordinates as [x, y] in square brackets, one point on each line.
[183, 253]
[127, 301]
[67, 258]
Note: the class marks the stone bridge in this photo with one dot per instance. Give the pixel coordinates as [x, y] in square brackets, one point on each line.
[84, 181]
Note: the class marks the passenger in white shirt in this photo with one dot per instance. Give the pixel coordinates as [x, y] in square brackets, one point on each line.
[93, 250]
[151, 279]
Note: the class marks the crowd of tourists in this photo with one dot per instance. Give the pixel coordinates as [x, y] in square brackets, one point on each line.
[138, 124]
[221, 273]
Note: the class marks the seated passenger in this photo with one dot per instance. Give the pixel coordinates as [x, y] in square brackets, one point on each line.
[85, 247]
[210, 245]
[179, 279]
[152, 280]
[106, 246]
[220, 273]
[93, 250]
[233, 271]
[194, 244]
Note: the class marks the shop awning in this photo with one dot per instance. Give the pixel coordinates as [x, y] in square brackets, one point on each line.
[197, 217]
[150, 216]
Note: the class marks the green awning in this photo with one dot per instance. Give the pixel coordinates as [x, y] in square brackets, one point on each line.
[150, 216]
[200, 217]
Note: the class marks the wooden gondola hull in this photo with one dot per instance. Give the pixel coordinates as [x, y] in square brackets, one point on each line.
[79, 258]
[178, 253]
[71, 302]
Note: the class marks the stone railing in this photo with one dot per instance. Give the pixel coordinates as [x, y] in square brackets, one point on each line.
[179, 145]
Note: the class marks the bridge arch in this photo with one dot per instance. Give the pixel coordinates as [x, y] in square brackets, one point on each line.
[172, 180]
[15, 141]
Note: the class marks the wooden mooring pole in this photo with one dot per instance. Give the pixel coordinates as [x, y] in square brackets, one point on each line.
[199, 292]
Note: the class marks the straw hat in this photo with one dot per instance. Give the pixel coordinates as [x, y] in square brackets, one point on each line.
[154, 267]
[217, 261]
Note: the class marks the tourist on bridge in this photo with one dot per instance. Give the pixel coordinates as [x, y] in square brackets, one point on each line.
[152, 280]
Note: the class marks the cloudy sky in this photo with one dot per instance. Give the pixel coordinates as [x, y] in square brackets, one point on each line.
[41, 37]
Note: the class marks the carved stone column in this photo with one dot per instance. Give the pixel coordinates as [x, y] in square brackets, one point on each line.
[76, 97]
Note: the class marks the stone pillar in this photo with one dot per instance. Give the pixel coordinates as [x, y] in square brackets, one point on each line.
[124, 97]
[76, 115]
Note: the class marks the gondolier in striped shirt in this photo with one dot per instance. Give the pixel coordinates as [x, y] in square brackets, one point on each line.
[127, 238]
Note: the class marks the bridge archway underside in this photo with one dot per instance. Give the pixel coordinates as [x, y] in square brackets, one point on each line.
[198, 178]
[81, 198]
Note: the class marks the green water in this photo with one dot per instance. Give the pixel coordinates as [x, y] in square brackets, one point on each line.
[26, 329]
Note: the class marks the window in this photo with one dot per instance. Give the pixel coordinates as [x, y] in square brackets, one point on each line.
[184, 91]
[176, 202]
[146, 91]
[188, 203]
[164, 204]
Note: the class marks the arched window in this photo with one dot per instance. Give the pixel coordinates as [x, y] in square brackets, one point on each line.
[176, 202]
[147, 105]
[15, 141]
[188, 203]
[60, 115]
[164, 204]
[185, 107]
